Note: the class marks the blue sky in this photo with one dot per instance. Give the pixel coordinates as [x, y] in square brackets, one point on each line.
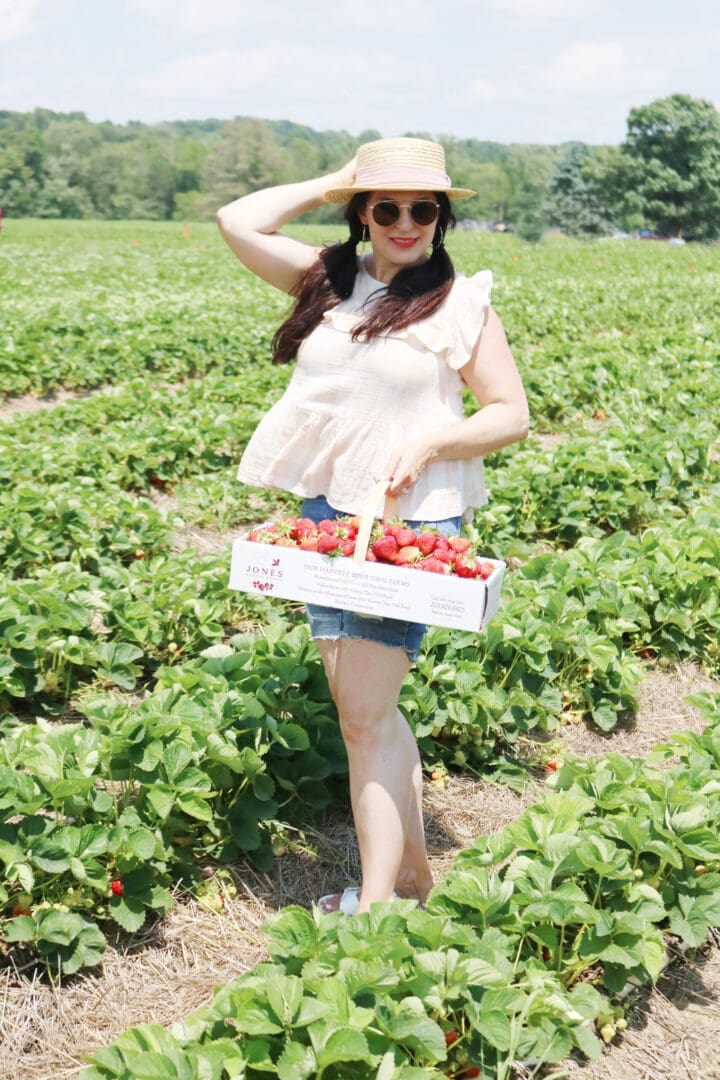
[511, 70]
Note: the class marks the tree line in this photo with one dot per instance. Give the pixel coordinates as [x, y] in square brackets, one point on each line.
[663, 176]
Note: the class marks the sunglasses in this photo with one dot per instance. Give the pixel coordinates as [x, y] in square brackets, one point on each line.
[387, 212]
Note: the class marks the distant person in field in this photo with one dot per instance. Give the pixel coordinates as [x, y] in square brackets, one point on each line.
[386, 342]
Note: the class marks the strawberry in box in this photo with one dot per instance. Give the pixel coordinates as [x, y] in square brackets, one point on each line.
[351, 564]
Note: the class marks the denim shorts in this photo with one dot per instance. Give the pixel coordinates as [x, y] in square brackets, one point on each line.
[334, 623]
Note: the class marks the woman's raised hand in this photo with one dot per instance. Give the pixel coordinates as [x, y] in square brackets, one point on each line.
[346, 176]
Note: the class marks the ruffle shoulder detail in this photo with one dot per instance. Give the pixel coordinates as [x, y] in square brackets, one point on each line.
[454, 329]
[451, 332]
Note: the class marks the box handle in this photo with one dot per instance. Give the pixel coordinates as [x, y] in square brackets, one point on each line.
[377, 504]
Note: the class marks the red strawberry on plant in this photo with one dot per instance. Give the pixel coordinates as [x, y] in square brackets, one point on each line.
[116, 887]
[385, 549]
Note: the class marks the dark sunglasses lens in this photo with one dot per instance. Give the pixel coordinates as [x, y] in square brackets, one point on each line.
[385, 213]
[424, 212]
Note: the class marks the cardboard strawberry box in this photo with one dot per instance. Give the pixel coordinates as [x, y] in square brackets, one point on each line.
[369, 588]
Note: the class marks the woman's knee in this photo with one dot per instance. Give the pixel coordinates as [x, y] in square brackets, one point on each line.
[363, 721]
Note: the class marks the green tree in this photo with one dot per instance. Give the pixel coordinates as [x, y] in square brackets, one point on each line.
[530, 170]
[671, 165]
[576, 201]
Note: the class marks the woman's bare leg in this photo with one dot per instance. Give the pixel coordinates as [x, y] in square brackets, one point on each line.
[385, 773]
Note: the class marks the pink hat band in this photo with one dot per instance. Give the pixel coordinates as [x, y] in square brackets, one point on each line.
[399, 165]
[387, 176]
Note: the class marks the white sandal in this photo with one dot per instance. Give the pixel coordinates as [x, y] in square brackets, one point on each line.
[348, 904]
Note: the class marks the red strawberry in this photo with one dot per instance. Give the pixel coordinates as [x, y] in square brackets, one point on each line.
[306, 527]
[486, 569]
[443, 554]
[426, 542]
[385, 549]
[308, 543]
[347, 547]
[552, 766]
[466, 568]
[116, 887]
[288, 526]
[327, 544]
[405, 537]
[327, 526]
[371, 557]
[459, 543]
[408, 556]
[354, 522]
[450, 1037]
[265, 534]
[433, 566]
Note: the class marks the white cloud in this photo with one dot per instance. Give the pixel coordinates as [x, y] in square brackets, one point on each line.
[17, 18]
[588, 67]
[201, 16]
[546, 8]
[282, 70]
[480, 90]
[203, 75]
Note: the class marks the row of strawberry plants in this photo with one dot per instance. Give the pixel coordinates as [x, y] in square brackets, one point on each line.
[100, 821]
[529, 941]
[565, 641]
[111, 302]
[566, 637]
[65, 627]
[108, 304]
[589, 484]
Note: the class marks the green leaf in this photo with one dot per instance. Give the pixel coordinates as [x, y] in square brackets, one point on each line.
[586, 1041]
[194, 806]
[128, 912]
[297, 1062]
[21, 928]
[495, 1027]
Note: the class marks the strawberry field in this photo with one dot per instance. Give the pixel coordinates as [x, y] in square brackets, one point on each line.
[157, 727]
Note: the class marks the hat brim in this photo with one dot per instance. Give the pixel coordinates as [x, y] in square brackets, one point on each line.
[343, 195]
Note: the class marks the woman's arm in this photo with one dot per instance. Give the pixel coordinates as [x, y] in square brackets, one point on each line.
[250, 225]
[503, 417]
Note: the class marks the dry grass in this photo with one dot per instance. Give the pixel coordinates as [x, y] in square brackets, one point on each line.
[30, 403]
[172, 968]
[673, 1031]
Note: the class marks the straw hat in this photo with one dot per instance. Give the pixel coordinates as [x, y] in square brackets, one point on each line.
[400, 165]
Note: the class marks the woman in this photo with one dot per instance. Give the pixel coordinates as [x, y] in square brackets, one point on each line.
[385, 344]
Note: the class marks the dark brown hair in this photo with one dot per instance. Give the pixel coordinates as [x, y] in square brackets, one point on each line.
[414, 293]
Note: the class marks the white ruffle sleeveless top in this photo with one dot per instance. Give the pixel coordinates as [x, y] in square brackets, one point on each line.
[349, 404]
